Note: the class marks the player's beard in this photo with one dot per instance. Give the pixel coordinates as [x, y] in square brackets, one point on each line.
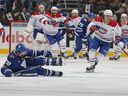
[22, 55]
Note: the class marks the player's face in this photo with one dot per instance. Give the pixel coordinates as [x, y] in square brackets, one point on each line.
[21, 54]
[41, 9]
[107, 18]
[54, 11]
[74, 14]
[124, 19]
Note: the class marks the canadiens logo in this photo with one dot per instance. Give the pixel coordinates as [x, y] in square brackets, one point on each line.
[102, 30]
[44, 21]
[125, 31]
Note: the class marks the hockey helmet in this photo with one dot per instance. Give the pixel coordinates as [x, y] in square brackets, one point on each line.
[124, 15]
[91, 15]
[21, 48]
[108, 12]
[54, 8]
[75, 11]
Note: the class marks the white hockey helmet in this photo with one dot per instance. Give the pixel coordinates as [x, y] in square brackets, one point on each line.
[54, 8]
[108, 12]
[124, 15]
[75, 11]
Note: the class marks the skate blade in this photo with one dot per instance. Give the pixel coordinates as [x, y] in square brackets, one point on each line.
[90, 71]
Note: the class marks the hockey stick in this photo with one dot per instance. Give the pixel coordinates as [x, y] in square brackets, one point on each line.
[123, 50]
[24, 70]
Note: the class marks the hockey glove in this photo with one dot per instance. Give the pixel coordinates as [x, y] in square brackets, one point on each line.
[94, 28]
[2, 31]
[6, 72]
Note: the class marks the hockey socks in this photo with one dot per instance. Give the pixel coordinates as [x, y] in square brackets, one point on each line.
[47, 72]
[38, 70]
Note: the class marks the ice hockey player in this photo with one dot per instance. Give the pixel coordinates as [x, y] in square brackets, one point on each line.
[80, 32]
[54, 13]
[124, 37]
[54, 38]
[106, 31]
[73, 23]
[27, 62]
[2, 30]
[34, 26]
[89, 32]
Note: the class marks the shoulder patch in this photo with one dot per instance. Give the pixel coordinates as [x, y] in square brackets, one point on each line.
[11, 56]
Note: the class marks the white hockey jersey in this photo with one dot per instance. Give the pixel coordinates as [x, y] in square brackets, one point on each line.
[75, 21]
[124, 29]
[48, 28]
[35, 20]
[58, 16]
[106, 32]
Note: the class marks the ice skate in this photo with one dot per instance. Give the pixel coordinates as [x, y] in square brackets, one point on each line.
[114, 58]
[58, 73]
[75, 55]
[91, 68]
[60, 62]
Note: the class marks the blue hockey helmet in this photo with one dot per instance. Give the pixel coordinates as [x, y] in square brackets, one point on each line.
[91, 15]
[21, 48]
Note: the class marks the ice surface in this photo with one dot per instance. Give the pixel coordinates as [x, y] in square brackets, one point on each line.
[110, 79]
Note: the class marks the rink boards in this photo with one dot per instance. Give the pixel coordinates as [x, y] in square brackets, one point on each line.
[69, 52]
[18, 36]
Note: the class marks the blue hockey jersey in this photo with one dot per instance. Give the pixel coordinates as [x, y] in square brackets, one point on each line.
[82, 28]
[16, 63]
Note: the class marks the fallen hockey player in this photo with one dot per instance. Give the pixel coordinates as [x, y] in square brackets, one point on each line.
[27, 62]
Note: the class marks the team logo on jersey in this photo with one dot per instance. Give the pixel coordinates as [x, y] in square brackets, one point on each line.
[44, 21]
[125, 31]
[103, 30]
